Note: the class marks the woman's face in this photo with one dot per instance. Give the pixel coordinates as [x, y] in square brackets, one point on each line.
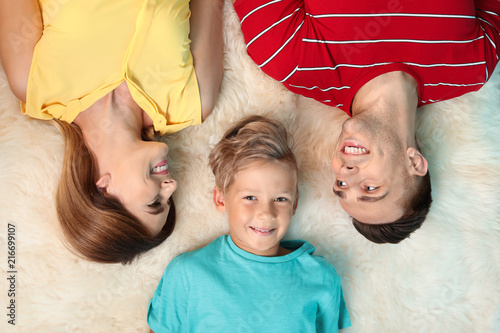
[142, 182]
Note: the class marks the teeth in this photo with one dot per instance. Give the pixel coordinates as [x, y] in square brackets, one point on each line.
[355, 150]
[160, 168]
[262, 230]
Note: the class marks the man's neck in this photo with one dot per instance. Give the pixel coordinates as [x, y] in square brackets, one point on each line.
[391, 97]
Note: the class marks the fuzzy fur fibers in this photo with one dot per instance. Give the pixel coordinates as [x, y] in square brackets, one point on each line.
[445, 278]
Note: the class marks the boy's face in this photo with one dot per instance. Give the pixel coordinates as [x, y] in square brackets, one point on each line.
[260, 203]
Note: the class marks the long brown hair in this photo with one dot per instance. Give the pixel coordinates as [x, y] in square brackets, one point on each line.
[98, 227]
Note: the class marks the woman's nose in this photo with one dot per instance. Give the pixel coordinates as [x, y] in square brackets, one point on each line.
[168, 186]
[166, 183]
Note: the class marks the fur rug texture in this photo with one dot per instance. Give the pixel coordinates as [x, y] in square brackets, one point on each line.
[445, 278]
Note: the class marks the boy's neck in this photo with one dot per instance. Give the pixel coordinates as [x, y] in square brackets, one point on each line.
[283, 251]
[278, 252]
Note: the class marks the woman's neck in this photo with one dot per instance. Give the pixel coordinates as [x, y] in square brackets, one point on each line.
[110, 125]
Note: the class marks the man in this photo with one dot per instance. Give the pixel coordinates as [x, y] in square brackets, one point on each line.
[377, 61]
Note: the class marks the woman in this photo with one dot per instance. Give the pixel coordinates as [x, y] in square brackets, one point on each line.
[108, 72]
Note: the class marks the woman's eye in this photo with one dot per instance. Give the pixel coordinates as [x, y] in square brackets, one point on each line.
[281, 199]
[250, 197]
[371, 188]
[155, 204]
[341, 183]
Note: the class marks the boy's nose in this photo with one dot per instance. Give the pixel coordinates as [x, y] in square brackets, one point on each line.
[266, 211]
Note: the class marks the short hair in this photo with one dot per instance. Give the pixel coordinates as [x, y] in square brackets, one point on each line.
[253, 139]
[415, 208]
[96, 226]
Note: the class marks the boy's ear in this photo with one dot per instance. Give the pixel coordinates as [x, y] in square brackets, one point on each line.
[219, 199]
[295, 204]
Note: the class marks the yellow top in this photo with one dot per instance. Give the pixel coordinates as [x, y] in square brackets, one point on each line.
[89, 47]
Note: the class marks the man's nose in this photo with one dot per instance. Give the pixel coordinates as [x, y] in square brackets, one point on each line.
[348, 170]
[342, 167]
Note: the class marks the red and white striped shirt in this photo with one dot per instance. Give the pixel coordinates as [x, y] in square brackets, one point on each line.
[327, 50]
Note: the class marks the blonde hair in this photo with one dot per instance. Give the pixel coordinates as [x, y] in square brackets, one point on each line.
[253, 139]
[98, 227]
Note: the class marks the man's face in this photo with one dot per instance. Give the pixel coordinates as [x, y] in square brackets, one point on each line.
[370, 167]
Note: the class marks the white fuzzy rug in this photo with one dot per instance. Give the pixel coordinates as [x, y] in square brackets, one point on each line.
[446, 278]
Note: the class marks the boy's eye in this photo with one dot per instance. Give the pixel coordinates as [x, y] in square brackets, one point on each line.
[341, 183]
[250, 197]
[281, 199]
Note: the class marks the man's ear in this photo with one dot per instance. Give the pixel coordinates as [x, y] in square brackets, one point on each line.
[419, 164]
[219, 201]
[103, 183]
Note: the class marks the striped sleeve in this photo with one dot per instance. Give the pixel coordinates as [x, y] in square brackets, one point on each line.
[488, 15]
[272, 30]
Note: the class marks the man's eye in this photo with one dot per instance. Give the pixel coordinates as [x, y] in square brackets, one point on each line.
[371, 188]
[250, 197]
[341, 183]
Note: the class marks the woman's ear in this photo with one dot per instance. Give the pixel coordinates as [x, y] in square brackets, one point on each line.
[103, 183]
[219, 199]
[419, 164]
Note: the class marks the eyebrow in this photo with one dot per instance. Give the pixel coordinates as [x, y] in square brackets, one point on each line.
[340, 194]
[156, 212]
[362, 198]
[372, 199]
[256, 191]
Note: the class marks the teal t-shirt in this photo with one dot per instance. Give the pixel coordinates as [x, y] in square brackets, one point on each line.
[222, 288]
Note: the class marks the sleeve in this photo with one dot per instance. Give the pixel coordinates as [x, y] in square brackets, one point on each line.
[344, 319]
[167, 310]
[334, 316]
[488, 15]
[273, 33]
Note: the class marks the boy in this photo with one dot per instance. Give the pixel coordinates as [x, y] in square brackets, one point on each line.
[250, 281]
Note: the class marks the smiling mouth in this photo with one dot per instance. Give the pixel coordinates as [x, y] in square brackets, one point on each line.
[262, 231]
[161, 168]
[354, 149]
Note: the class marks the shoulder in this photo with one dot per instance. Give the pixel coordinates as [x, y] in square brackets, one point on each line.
[199, 256]
[322, 268]
[183, 267]
[194, 269]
